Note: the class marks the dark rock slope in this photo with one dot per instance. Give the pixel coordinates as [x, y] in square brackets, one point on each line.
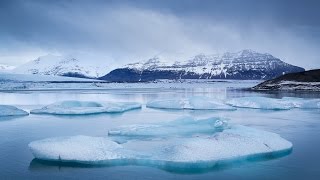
[307, 80]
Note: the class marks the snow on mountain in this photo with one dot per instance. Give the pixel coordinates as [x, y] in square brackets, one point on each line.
[64, 66]
[246, 64]
[4, 67]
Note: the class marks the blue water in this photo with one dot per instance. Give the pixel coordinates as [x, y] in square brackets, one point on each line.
[301, 127]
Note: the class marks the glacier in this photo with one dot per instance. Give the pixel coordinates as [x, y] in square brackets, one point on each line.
[261, 103]
[232, 144]
[85, 107]
[192, 103]
[185, 126]
[7, 110]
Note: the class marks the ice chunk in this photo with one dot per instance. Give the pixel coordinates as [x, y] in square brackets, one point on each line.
[261, 103]
[195, 103]
[186, 126]
[304, 103]
[6, 110]
[309, 104]
[82, 149]
[236, 143]
[86, 107]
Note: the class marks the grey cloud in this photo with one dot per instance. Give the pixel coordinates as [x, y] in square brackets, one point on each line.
[134, 30]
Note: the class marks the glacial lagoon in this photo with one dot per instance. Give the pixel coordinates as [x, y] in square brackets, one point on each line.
[295, 123]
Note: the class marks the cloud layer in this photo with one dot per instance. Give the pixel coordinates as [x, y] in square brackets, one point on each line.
[127, 31]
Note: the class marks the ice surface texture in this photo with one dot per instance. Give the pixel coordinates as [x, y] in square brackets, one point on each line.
[195, 103]
[186, 126]
[274, 104]
[261, 103]
[304, 103]
[6, 110]
[85, 107]
[234, 143]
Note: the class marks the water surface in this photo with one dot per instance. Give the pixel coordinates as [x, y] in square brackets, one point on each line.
[301, 127]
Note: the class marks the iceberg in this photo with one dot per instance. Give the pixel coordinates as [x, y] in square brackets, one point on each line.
[193, 103]
[186, 126]
[304, 103]
[82, 149]
[6, 110]
[232, 144]
[261, 103]
[86, 107]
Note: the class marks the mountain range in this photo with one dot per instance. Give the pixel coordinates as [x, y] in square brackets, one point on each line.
[245, 64]
[64, 66]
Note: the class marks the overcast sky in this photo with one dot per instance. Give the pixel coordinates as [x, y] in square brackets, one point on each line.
[127, 31]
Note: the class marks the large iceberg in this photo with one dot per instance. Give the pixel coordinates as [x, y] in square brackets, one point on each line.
[6, 110]
[193, 103]
[86, 107]
[186, 126]
[261, 103]
[233, 143]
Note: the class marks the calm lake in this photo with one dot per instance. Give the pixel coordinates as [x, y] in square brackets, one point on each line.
[301, 127]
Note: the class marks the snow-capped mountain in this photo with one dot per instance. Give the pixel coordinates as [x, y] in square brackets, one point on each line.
[64, 66]
[4, 67]
[246, 64]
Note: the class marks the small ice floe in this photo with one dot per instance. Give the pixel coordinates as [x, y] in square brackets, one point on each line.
[86, 107]
[231, 144]
[6, 110]
[186, 127]
[304, 103]
[193, 103]
[261, 103]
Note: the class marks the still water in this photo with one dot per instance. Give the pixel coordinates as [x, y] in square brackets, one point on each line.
[301, 127]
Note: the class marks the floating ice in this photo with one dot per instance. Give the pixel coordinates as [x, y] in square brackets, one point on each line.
[236, 143]
[186, 126]
[86, 107]
[83, 149]
[261, 103]
[6, 110]
[195, 103]
[304, 103]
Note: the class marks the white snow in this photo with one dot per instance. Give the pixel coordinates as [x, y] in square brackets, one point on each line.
[195, 103]
[4, 67]
[6, 110]
[86, 107]
[261, 103]
[59, 65]
[213, 65]
[236, 143]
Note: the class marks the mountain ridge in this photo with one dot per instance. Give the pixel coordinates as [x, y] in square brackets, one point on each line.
[245, 64]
